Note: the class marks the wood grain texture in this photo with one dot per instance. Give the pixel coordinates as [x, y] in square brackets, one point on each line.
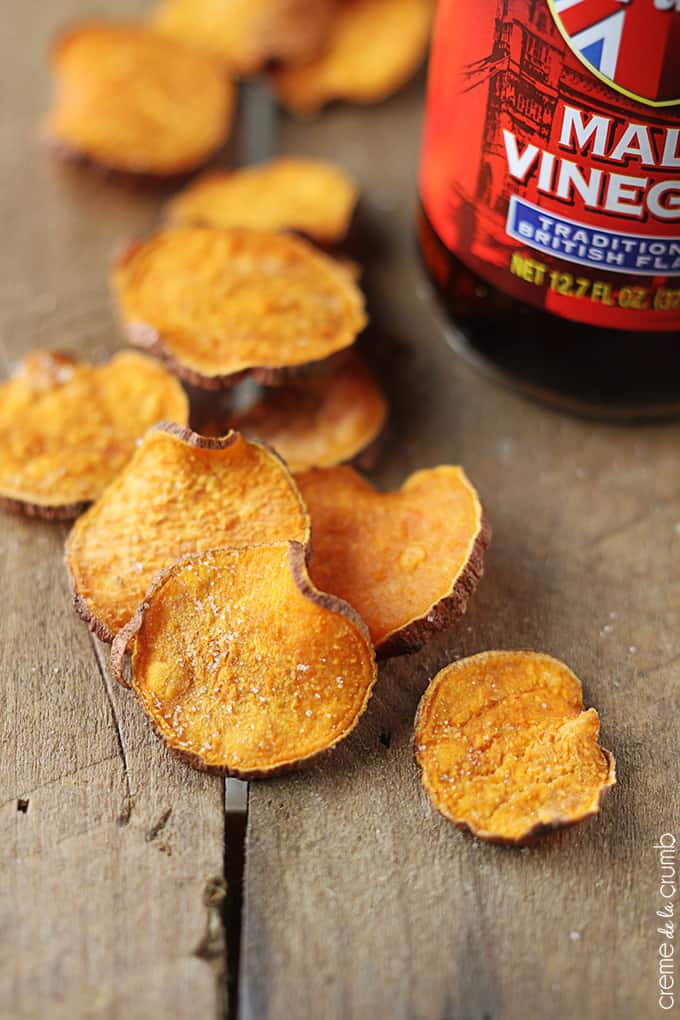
[112, 859]
[361, 901]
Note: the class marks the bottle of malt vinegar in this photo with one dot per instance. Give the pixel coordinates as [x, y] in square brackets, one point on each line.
[550, 195]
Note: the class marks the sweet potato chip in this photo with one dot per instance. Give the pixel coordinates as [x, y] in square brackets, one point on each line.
[242, 665]
[328, 419]
[374, 47]
[247, 34]
[67, 427]
[505, 748]
[309, 196]
[131, 101]
[408, 561]
[352, 270]
[180, 493]
[215, 304]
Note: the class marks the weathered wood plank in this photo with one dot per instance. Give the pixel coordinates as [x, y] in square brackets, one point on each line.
[360, 901]
[112, 852]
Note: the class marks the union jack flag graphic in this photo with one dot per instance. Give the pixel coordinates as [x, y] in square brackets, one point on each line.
[633, 44]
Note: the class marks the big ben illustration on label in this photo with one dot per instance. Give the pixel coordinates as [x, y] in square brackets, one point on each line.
[632, 45]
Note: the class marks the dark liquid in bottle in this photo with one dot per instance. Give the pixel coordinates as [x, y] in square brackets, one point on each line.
[604, 372]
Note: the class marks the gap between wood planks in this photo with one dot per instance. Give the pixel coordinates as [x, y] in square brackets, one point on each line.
[235, 826]
[256, 141]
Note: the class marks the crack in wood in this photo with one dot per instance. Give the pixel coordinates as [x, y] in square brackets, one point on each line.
[156, 829]
[126, 810]
[62, 776]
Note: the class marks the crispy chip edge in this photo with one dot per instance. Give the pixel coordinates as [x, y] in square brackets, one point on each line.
[44, 511]
[443, 613]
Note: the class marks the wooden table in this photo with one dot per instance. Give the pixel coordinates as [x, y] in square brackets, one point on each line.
[359, 901]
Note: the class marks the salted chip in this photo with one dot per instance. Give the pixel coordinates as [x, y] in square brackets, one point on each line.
[374, 47]
[505, 748]
[247, 34]
[216, 304]
[67, 427]
[331, 418]
[310, 196]
[181, 493]
[243, 667]
[408, 561]
[132, 101]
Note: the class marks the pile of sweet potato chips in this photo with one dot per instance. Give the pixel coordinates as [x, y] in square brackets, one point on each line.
[158, 99]
[254, 575]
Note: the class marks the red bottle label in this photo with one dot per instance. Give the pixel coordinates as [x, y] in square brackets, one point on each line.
[551, 160]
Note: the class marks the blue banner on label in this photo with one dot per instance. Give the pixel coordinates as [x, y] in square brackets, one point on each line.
[601, 249]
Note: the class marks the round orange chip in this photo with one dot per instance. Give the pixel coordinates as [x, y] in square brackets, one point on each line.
[247, 34]
[374, 47]
[243, 667]
[132, 101]
[328, 419]
[309, 196]
[505, 748]
[215, 304]
[67, 427]
[408, 561]
[181, 493]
